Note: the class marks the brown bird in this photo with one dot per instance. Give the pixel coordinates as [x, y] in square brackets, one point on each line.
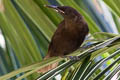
[69, 35]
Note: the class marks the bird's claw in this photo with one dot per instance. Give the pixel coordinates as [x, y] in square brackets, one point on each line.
[74, 58]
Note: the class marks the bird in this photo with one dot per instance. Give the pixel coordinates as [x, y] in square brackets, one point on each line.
[69, 35]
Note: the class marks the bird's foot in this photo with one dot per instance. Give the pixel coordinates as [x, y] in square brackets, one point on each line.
[74, 58]
[85, 47]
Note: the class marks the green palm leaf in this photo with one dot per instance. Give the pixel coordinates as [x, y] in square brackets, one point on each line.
[28, 27]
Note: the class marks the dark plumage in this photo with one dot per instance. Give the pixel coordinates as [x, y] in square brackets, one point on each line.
[69, 35]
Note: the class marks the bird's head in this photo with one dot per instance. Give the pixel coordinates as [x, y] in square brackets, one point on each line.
[66, 11]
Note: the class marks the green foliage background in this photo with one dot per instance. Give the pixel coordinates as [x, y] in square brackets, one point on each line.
[28, 27]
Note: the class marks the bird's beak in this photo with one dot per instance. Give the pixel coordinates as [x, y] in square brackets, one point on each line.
[55, 7]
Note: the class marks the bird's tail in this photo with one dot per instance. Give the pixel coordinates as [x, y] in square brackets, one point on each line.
[49, 67]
